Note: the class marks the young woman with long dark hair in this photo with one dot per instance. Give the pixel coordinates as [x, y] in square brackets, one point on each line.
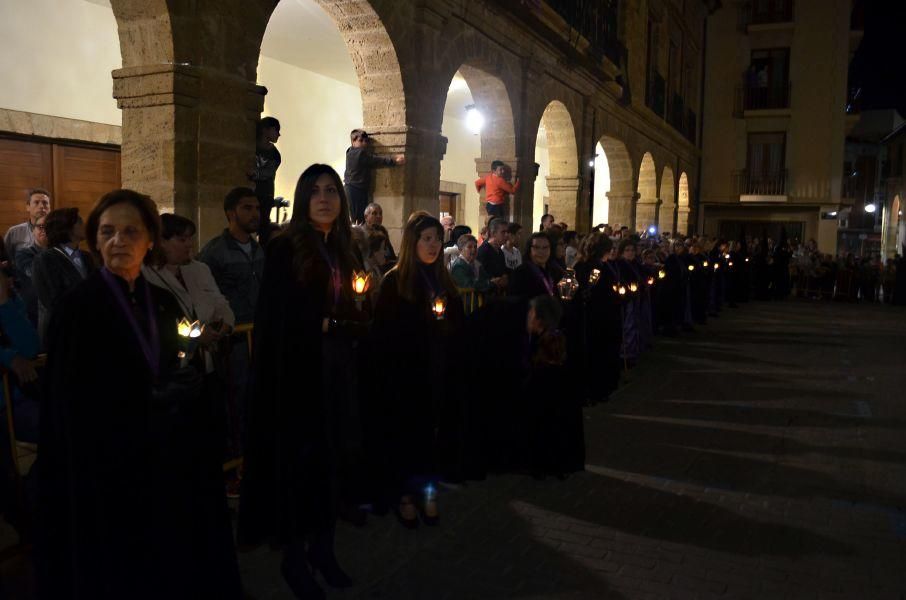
[417, 318]
[303, 421]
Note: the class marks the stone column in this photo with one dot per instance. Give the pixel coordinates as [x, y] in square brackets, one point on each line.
[160, 115]
[563, 193]
[682, 220]
[647, 213]
[188, 137]
[402, 190]
[622, 209]
[667, 220]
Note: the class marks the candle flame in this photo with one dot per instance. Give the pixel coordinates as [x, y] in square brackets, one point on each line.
[661, 274]
[651, 281]
[691, 267]
[730, 263]
[633, 287]
[705, 263]
[621, 290]
[440, 305]
[716, 266]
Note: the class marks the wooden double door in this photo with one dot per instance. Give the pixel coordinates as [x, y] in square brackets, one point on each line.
[74, 174]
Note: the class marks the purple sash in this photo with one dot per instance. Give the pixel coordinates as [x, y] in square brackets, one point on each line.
[150, 348]
[335, 275]
[548, 284]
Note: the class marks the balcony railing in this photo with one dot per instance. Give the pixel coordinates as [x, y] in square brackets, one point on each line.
[597, 21]
[747, 183]
[764, 12]
[655, 95]
[754, 97]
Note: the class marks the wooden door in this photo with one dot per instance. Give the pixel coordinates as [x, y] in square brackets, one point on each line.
[23, 165]
[75, 175]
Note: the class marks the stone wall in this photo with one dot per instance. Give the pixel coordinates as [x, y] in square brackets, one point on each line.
[189, 100]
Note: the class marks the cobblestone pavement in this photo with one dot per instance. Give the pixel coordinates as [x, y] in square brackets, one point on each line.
[761, 457]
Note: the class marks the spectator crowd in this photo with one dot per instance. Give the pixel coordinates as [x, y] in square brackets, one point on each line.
[338, 376]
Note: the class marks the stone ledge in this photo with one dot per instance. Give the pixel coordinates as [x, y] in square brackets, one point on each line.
[62, 128]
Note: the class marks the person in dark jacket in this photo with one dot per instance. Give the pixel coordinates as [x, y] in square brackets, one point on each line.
[491, 256]
[25, 260]
[421, 425]
[303, 422]
[130, 496]
[536, 276]
[267, 161]
[360, 161]
[63, 265]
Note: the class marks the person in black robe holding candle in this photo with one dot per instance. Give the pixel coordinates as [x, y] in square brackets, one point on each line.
[417, 318]
[303, 422]
[537, 275]
[595, 340]
[130, 492]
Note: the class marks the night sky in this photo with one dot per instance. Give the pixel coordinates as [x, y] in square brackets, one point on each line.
[878, 66]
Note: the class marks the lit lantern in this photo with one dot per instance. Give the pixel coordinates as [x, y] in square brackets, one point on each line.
[661, 274]
[594, 276]
[189, 330]
[747, 259]
[439, 307]
[633, 286]
[621, 290]
[727, 256]
[568, 286]
[691, 267]
[730, 264]
[615, 287]
[360, 283]
[716, 266]
[705, 264]
[651, 281]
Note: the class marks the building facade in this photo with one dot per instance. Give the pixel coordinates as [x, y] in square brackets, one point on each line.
[893, 225]
[776, 118]
[624, 76]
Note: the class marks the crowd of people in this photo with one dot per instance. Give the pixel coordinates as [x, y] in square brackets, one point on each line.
[374, 378]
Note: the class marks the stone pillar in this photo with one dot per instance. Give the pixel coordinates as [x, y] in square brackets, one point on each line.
[160, 114]
[622, 209]
[483, 167]
[188, 137]
[682, 220]
[414, 186]
[647, 212]
[667, 220]
[563, 193]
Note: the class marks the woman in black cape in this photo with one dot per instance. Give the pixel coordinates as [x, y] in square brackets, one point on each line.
[422, 424]
[303, 418]
[131, 500]
[537, 275]
[596, 341]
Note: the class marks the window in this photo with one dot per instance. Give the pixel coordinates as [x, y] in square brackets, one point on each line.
[765, 164]
[767, 79]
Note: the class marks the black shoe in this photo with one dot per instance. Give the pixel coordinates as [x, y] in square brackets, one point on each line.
[330, 569]
[301, 581]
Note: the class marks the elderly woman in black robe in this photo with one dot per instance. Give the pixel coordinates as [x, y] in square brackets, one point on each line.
[131, 502]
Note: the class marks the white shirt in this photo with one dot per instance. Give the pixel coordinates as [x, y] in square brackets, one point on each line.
[513, 257]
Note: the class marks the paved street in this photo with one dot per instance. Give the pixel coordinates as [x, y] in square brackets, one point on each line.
[760, 457]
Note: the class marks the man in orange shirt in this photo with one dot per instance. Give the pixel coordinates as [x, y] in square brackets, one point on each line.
[497, 188]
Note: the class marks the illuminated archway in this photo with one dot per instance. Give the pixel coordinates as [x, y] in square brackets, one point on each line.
[667, 212]
[682, 206]
[556, 153]
[614, 201]
[647, 210]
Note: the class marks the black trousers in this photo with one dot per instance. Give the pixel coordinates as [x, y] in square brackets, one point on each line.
[358, 200]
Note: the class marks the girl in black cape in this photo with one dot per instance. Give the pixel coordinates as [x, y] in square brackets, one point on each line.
[422, 421]
[596, 341]
[131, 501]
[537, 275]
[303, 416]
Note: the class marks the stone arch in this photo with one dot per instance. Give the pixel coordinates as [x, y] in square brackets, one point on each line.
[683, 206]
[667, 212]
[647, 211]
[620, 198]
[562, 182]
